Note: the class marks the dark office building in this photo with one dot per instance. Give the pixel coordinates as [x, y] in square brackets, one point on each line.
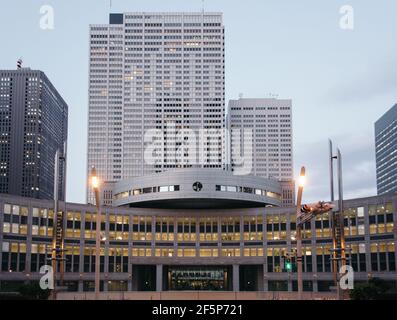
[33, 125]
[386, 152]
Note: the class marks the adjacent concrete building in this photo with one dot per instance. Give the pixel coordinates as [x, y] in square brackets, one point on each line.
[156, 79]
[386, 152]
[157, 249]
[269, 151]
[33, 125]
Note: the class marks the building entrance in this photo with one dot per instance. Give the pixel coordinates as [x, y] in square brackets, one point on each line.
[199, 278]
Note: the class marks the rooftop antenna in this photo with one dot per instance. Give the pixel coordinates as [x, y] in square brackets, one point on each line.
[241, 95]
[110, 4]
[19, 64]
[203, 3]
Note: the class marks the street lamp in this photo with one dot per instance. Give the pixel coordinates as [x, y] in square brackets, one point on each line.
[95, 183]
[301, 184]
[304, 214]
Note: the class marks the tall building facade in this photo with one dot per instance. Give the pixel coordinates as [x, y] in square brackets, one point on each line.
[33, 127]
[269, 151]
[156, 80]
[386, 152]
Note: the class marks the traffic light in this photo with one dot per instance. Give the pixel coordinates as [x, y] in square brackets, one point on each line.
[287, 263]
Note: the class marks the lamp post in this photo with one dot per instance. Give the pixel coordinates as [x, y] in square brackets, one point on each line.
[95, 183]
[305, 214]
[302, 180]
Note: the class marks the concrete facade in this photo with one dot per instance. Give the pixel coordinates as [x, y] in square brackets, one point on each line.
[144, 248]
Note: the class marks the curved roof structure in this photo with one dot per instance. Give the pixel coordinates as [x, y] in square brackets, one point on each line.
[197, 189]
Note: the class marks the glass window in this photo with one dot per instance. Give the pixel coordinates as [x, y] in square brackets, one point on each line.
[15, 210]
[15, 228]
[34, 248]
[7, 208]
[35, 212]
[35, 230]
[6, 227]
[5, 247]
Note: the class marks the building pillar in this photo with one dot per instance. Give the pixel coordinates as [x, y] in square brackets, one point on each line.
[290, 286]
[159, 277]
[265, 285]
[260, 278]
[315, 286]
[236, 277]
[129, 284]
[265, 278]
[80, 286]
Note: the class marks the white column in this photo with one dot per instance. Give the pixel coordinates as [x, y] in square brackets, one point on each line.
[236, 277]
[159, 277]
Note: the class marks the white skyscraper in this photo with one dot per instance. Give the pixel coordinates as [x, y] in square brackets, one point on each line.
[269, 122]
[156, 71]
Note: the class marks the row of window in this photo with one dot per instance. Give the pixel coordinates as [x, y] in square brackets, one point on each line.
[139, 191]
[249, 228]
[14, 257]
[259, 192]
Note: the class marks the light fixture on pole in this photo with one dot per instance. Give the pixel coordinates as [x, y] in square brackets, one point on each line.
[301, 184]
[305, 213]
[95, 184]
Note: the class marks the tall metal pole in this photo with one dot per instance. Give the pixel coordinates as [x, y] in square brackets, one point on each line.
[97, 237]
[299, 235]
[331, 170]
[62, 267]
[97, 245]
[341, 216]
[333, 216]
[54, 233]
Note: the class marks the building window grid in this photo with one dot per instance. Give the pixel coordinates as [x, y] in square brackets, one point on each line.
[382, 254]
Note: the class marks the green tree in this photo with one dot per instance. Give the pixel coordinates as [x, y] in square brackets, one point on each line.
[374, 289]
[32, 291]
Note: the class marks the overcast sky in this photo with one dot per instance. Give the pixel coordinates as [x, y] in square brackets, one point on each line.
[340, 81]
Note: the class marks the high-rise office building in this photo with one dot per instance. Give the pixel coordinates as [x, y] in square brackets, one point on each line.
[33, 127]
[386, 152]
[156, 79]
[261, 140]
